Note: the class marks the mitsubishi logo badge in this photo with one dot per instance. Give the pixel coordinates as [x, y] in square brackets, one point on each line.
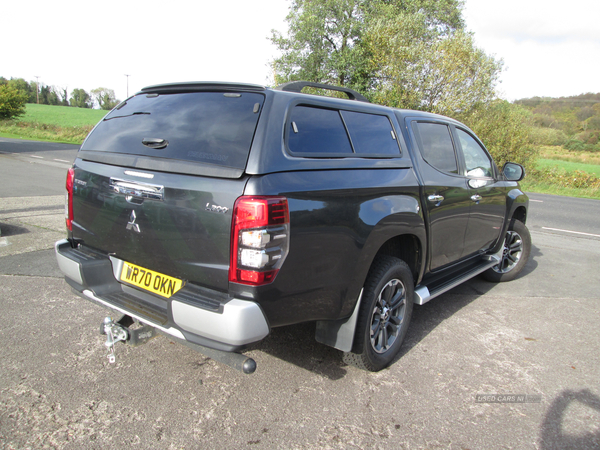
[131, 225]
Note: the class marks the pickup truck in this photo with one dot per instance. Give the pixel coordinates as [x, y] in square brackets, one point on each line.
[214, 212]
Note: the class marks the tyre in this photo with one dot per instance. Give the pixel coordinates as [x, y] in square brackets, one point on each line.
[517, 246]
[384, 314]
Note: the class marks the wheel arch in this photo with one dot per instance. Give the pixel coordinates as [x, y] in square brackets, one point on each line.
[520, 214]
[399, 235]
[406, 247]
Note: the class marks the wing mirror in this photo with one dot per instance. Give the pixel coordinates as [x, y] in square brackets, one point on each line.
[513, 171]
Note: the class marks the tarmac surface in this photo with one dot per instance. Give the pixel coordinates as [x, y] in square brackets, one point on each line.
[486, 366]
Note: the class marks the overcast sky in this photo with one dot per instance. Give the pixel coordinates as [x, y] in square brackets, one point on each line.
[550, 48]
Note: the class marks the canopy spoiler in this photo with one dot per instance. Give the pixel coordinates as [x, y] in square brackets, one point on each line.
[202, 86]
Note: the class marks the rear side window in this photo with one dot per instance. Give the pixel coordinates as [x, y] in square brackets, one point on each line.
[329, 132]
[436, 146]
[371, 134]
[207, 127]
[317, 130]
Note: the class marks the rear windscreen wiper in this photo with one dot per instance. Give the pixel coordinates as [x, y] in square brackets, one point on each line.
[137, 113]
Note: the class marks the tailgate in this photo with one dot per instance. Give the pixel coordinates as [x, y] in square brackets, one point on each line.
[179, 225]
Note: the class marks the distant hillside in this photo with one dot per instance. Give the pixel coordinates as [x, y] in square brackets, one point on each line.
[570, 121]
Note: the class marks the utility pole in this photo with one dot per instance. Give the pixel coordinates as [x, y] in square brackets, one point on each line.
[127, 75]
[37, 88]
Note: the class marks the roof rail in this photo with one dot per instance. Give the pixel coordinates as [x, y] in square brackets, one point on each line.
[297, 86]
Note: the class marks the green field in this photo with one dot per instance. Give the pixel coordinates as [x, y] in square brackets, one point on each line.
[62, 116]
[568, 166]
[52, 124]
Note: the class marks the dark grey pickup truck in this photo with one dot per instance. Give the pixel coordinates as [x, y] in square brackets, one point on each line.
[213, 212]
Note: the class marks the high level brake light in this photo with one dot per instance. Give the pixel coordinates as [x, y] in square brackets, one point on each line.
[260, 234]
[69, 199]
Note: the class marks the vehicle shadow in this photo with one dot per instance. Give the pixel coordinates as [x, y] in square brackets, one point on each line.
[296, 344]
[427, 317]
[552, 430]
[9, 229]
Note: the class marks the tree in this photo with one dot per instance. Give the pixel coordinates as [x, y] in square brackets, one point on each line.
[105, 98]
[325, 40]
[505, 129]
[22, 85]
[323, 43]
[48, 95]
[80, 99]
[12, 102]
[442, 75]
[63, 96]
[404, 53]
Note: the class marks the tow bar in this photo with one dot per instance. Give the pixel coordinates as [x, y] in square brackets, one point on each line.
[121, 331]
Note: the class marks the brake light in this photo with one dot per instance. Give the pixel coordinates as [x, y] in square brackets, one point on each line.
[260, 234]
[69, 199]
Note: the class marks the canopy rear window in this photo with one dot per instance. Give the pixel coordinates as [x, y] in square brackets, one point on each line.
[207, 127]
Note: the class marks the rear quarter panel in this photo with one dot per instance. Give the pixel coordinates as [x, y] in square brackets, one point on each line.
[338, 221]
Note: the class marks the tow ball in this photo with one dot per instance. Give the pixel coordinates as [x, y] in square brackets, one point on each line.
[120, 331]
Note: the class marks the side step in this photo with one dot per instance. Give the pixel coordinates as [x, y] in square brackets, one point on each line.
[423, 294]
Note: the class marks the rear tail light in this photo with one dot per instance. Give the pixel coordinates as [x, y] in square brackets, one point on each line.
[69, 199]
[260, 234]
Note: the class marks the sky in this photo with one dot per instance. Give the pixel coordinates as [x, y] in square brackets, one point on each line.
[549, 48]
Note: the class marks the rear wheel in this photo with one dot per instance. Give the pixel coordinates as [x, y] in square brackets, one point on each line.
[515, 254]
[384, 314]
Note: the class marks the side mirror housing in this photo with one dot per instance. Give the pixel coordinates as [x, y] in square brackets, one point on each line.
[513, 171]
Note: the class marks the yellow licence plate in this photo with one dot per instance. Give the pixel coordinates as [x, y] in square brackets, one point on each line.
[150, 280]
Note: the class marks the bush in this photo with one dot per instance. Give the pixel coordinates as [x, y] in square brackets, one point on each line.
[12, 102]
[547, 136]
[574, 145]
[588, 137]
[576, 179]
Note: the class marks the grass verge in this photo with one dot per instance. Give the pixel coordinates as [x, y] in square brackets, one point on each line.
[529, 185]
[44, 132]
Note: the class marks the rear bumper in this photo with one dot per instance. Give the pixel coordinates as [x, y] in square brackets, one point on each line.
[195, 314]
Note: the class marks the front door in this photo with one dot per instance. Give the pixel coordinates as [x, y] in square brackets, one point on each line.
[488, 199]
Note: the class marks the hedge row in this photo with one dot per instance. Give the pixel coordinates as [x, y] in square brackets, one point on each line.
[576, 179]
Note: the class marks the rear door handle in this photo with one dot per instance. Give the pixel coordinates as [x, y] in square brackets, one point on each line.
[435, 198]
[476, 197]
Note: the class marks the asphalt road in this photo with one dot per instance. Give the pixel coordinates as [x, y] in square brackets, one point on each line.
[537, 336]
[29, 168]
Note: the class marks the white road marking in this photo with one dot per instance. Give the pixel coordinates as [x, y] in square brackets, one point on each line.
[62, 160]
[538, 201]
[568, 231]
[34, 156]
